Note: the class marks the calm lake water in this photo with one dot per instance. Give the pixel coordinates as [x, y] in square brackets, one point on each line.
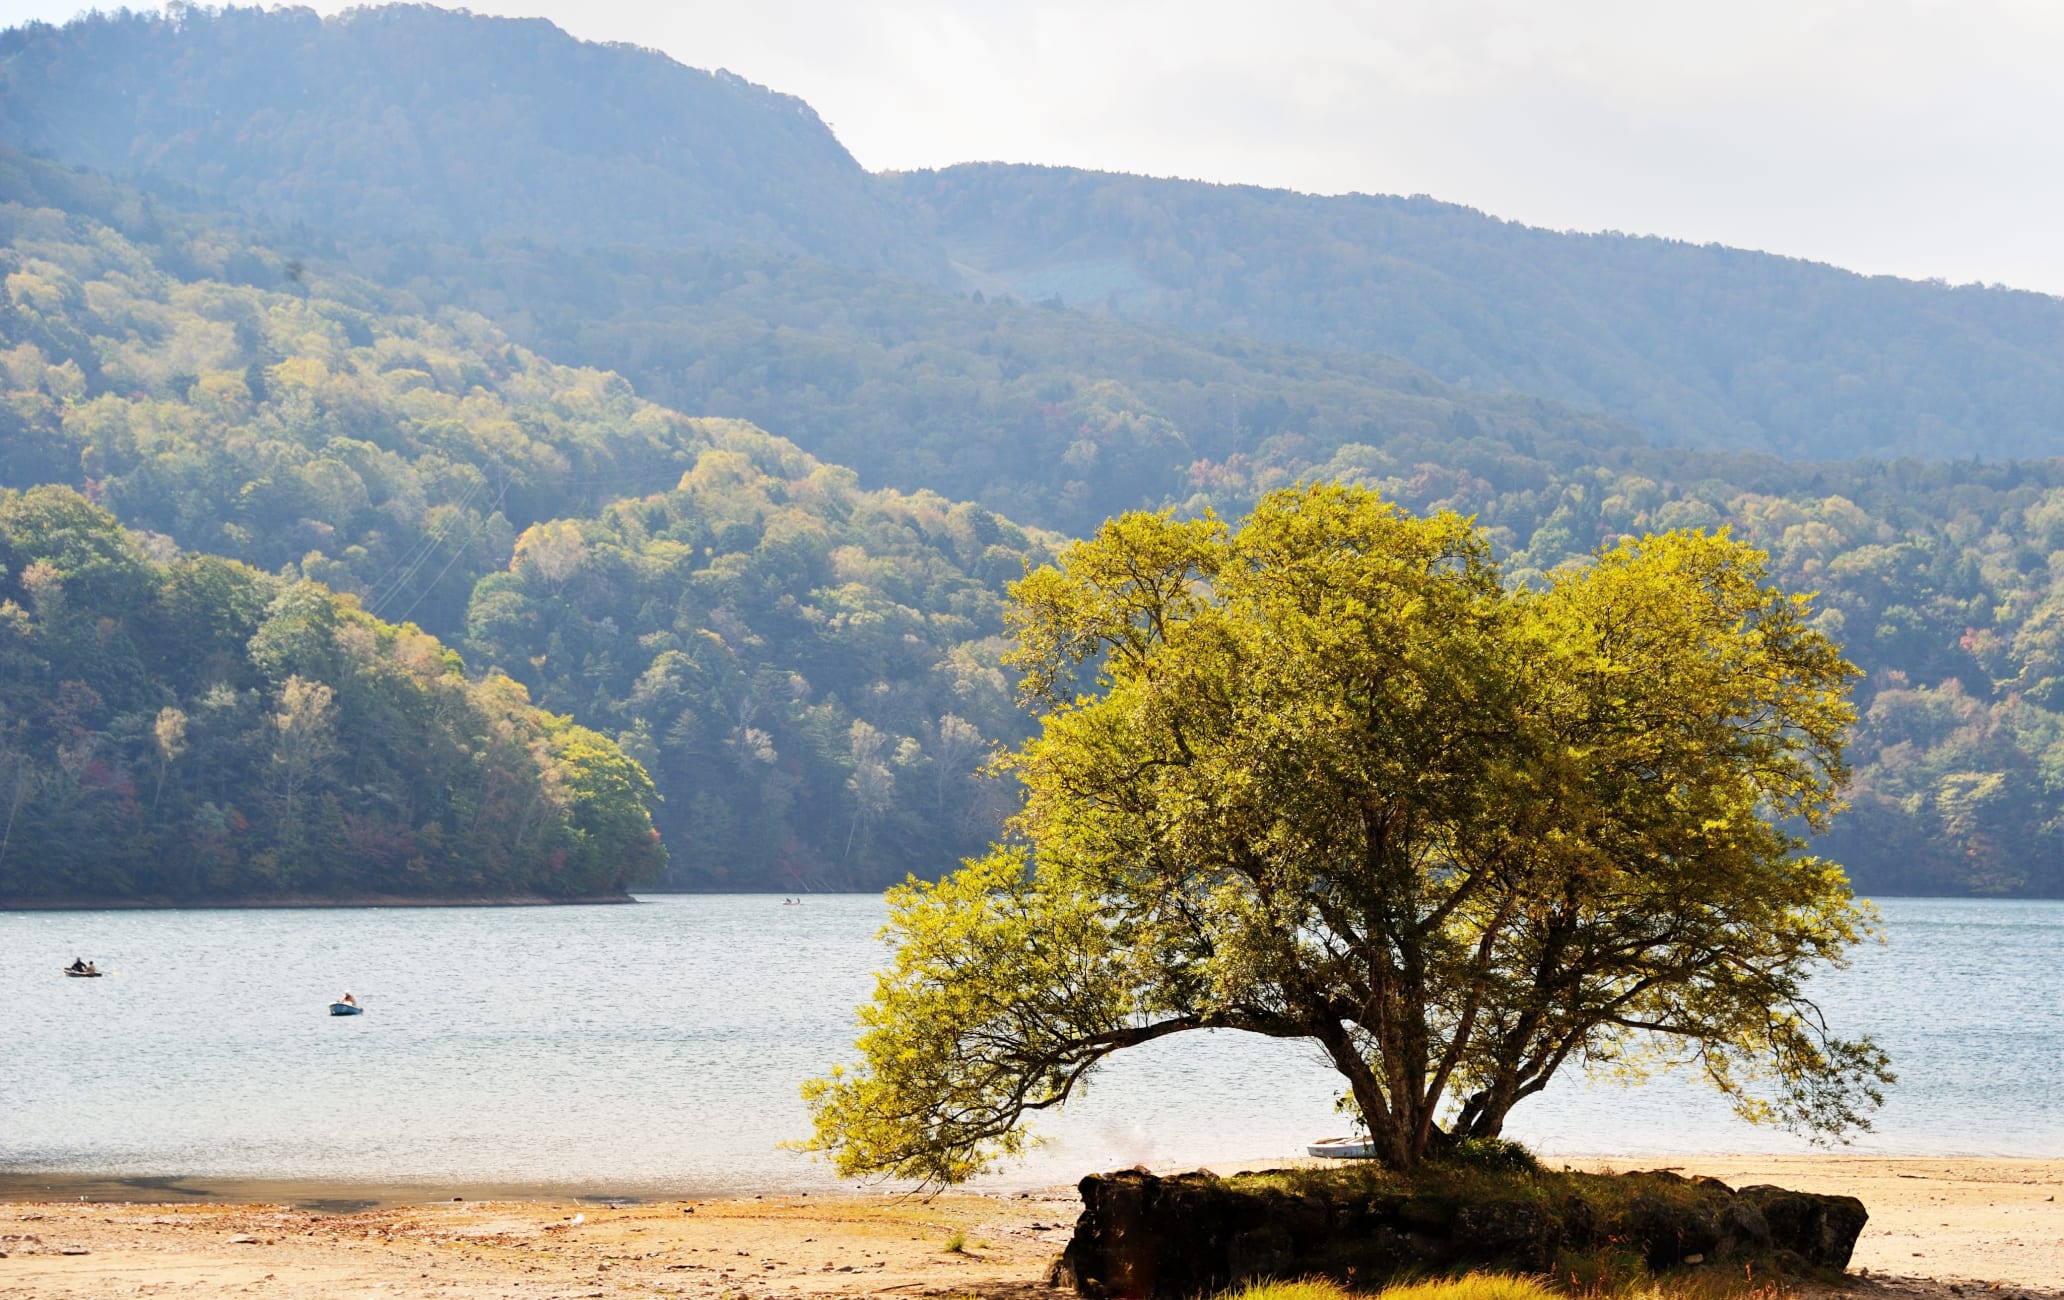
[660, 1047]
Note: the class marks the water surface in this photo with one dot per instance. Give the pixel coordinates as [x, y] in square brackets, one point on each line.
[660, 1047]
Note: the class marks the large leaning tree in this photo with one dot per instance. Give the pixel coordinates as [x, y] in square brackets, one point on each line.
[1334, 781]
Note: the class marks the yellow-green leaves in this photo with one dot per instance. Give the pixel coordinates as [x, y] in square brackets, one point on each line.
[1004, 989]
[1336, 782]
[1124, 592]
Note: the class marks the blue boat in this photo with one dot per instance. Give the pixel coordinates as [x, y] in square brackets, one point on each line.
[346, 1009]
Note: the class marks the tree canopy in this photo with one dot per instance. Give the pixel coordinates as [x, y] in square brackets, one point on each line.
[1333, 780]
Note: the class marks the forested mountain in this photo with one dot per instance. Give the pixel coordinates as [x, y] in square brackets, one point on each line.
[413, 121]
[1052, 417]
[805, 657]
[807, 668]
[183, 727]
[1055, 418]
[426, 128]
[1699, 346]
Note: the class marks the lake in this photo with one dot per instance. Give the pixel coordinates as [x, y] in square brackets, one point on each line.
[659, 1047]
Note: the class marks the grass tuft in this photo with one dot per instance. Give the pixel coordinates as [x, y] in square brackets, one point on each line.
[1309, 1288]
[1489, 1155]
[1512, 1286]
[1713, 1284]
[956, 1242]
[1472, 1286]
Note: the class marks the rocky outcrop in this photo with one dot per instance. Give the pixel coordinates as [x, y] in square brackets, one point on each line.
[1196, 1234]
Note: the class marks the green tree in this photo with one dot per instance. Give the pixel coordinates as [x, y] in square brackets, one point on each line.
[613, 843]
[1336, 782]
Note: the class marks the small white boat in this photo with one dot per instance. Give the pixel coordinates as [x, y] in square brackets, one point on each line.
[346, 1009]
[1343, 1148]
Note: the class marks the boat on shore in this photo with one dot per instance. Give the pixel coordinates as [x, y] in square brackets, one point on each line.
[1343, 1148]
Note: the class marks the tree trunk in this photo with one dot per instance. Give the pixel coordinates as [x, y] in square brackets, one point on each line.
[1389, 1131]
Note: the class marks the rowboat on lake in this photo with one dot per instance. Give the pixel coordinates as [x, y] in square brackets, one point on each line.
[1343, 1148]
[346, 1009]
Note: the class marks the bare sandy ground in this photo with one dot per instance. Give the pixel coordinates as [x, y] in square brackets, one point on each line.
[1939, 1230]
[789, 1248]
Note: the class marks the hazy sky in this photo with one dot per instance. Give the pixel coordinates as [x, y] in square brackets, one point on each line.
[1917, 137]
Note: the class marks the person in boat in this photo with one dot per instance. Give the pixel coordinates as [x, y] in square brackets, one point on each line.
[348, 1000]
[79, 966]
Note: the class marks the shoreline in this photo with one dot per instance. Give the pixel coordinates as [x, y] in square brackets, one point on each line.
[332, 901]
[348, 1195]
[304, 902]
[33, 1186]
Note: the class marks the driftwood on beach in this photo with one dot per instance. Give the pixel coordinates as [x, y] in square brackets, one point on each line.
[1196, 1234]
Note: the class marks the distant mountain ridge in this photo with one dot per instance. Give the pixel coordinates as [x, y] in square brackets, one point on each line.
[411, 121]
[1701, 346]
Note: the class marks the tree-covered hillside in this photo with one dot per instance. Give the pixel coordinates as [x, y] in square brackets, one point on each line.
[391, 457]
[808, 669]
[184, 727]
[1055, 418]
[1698, 346]
[1936, 576]
[412, 120]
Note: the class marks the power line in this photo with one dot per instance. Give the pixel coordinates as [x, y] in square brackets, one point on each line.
[432, 584]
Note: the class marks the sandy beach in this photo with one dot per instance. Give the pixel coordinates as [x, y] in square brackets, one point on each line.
[1939, 1228]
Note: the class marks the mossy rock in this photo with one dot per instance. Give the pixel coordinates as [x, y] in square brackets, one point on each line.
[1196, 1234]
